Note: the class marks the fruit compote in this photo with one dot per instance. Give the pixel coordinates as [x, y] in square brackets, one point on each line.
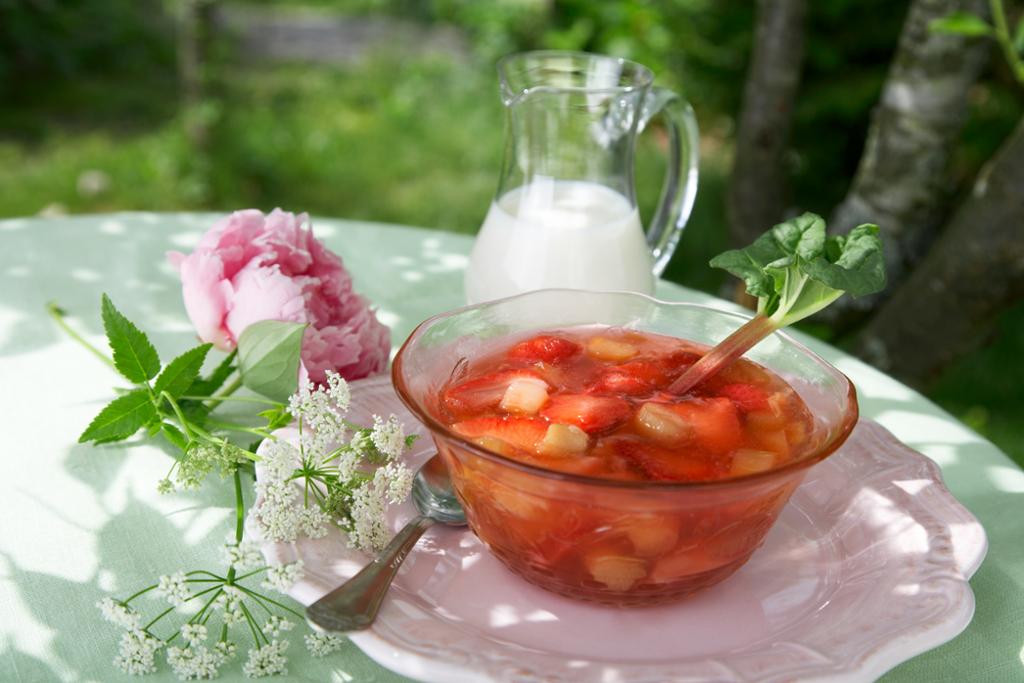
[592, 401]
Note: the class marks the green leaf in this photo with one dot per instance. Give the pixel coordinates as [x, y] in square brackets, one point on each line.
[1018, 36]
[857, 266]
[220, 374]
[174, 435]
[177, 377]
[749, 264]
[961, 23]
[268, 357]
[134, 355]
[276, 418]
[121, 418]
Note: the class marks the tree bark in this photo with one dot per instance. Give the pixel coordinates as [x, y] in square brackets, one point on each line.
[902, 181]
[195, 32]
[757, 187]
[975, 270]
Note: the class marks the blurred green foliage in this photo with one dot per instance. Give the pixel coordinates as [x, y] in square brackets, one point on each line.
[91, 121]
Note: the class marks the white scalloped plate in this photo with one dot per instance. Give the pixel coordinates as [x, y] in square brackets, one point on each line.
[867, 567]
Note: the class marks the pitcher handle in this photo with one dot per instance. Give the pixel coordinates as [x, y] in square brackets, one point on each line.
[680, 187]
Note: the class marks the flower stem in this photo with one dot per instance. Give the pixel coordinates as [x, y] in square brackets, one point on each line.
[233, 427]
[185, 424]
[239, 399]
[141, 592]
[724, 353]
[256, 633]
[57, 314]
[158, 618]
[257, 596]
[1002, 35]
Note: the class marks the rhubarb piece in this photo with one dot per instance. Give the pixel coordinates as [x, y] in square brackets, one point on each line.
[658, 422]
[748, 461]
[616, 572]
[563, 439]
[525, 395]
[603, 348]
[715, 422]
[794, 270]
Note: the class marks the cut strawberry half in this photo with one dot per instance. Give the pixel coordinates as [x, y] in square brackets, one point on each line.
[589, 413]
[633, 378]
[715, 422]
[664, 464]
[545, 347]
[483, 393]
[524, 433]
[747, 396]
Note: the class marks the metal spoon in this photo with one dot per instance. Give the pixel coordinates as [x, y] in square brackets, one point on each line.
[354, 605]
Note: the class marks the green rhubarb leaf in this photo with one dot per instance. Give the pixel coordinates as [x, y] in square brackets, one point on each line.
[179, 374]
[854, 265]
[268, 358]
[122, 417]
[134, 355]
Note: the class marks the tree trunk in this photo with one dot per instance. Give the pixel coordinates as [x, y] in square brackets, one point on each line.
[194, 35]
[902, 182]
[975, 270]
[757, 188]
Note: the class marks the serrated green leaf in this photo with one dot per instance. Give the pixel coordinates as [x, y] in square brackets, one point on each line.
[268, 357]
[134, 355]
[216, 379]
[121, 418]
[177, 377]
[174, 436]
[962, 24]
[276, 418]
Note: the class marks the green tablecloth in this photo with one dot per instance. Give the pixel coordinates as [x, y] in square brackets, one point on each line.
[78, 522]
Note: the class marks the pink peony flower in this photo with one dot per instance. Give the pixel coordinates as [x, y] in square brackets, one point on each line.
[251, 267]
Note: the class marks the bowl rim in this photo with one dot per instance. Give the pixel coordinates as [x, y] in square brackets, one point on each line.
[436, 427]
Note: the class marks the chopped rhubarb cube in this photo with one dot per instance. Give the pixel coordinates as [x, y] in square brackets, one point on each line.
[748, 461]
[589, 413]
[746, 396]
[603, 348]
[525, 395]
[652, 535]
[660, 423]
[616, 572]
[563, 439]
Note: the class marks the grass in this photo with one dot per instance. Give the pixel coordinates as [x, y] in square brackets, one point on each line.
[417, 143]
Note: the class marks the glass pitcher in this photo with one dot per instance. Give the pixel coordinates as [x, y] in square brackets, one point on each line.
[565, 212]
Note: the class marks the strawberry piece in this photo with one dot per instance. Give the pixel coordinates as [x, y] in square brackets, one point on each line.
[664, 464]
[545, 347]
[715, 422]
[589, 413]
[483, 393]
[747, 396]
[633, 378]
[524, 433]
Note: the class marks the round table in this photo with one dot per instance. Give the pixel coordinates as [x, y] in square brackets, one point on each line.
[78, 522]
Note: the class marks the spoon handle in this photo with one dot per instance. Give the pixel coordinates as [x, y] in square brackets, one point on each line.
[354, 605]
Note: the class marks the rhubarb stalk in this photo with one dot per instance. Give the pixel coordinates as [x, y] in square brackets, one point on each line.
[794, 270]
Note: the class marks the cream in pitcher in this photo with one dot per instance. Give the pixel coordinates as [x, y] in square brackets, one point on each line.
[565, 211]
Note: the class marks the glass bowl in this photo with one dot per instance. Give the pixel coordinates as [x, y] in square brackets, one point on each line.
[615, 542]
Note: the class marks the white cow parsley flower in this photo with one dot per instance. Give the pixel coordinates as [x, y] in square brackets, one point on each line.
[119, 613]
[283, 576]
[323, 644]
[193, 634]
[173, 588]
[388, 437]
[227, 649]
[194, 662]
[275, 625]
[322, 410]
[241, 556]
[367, 528]
[268, 660]
[136, 652]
